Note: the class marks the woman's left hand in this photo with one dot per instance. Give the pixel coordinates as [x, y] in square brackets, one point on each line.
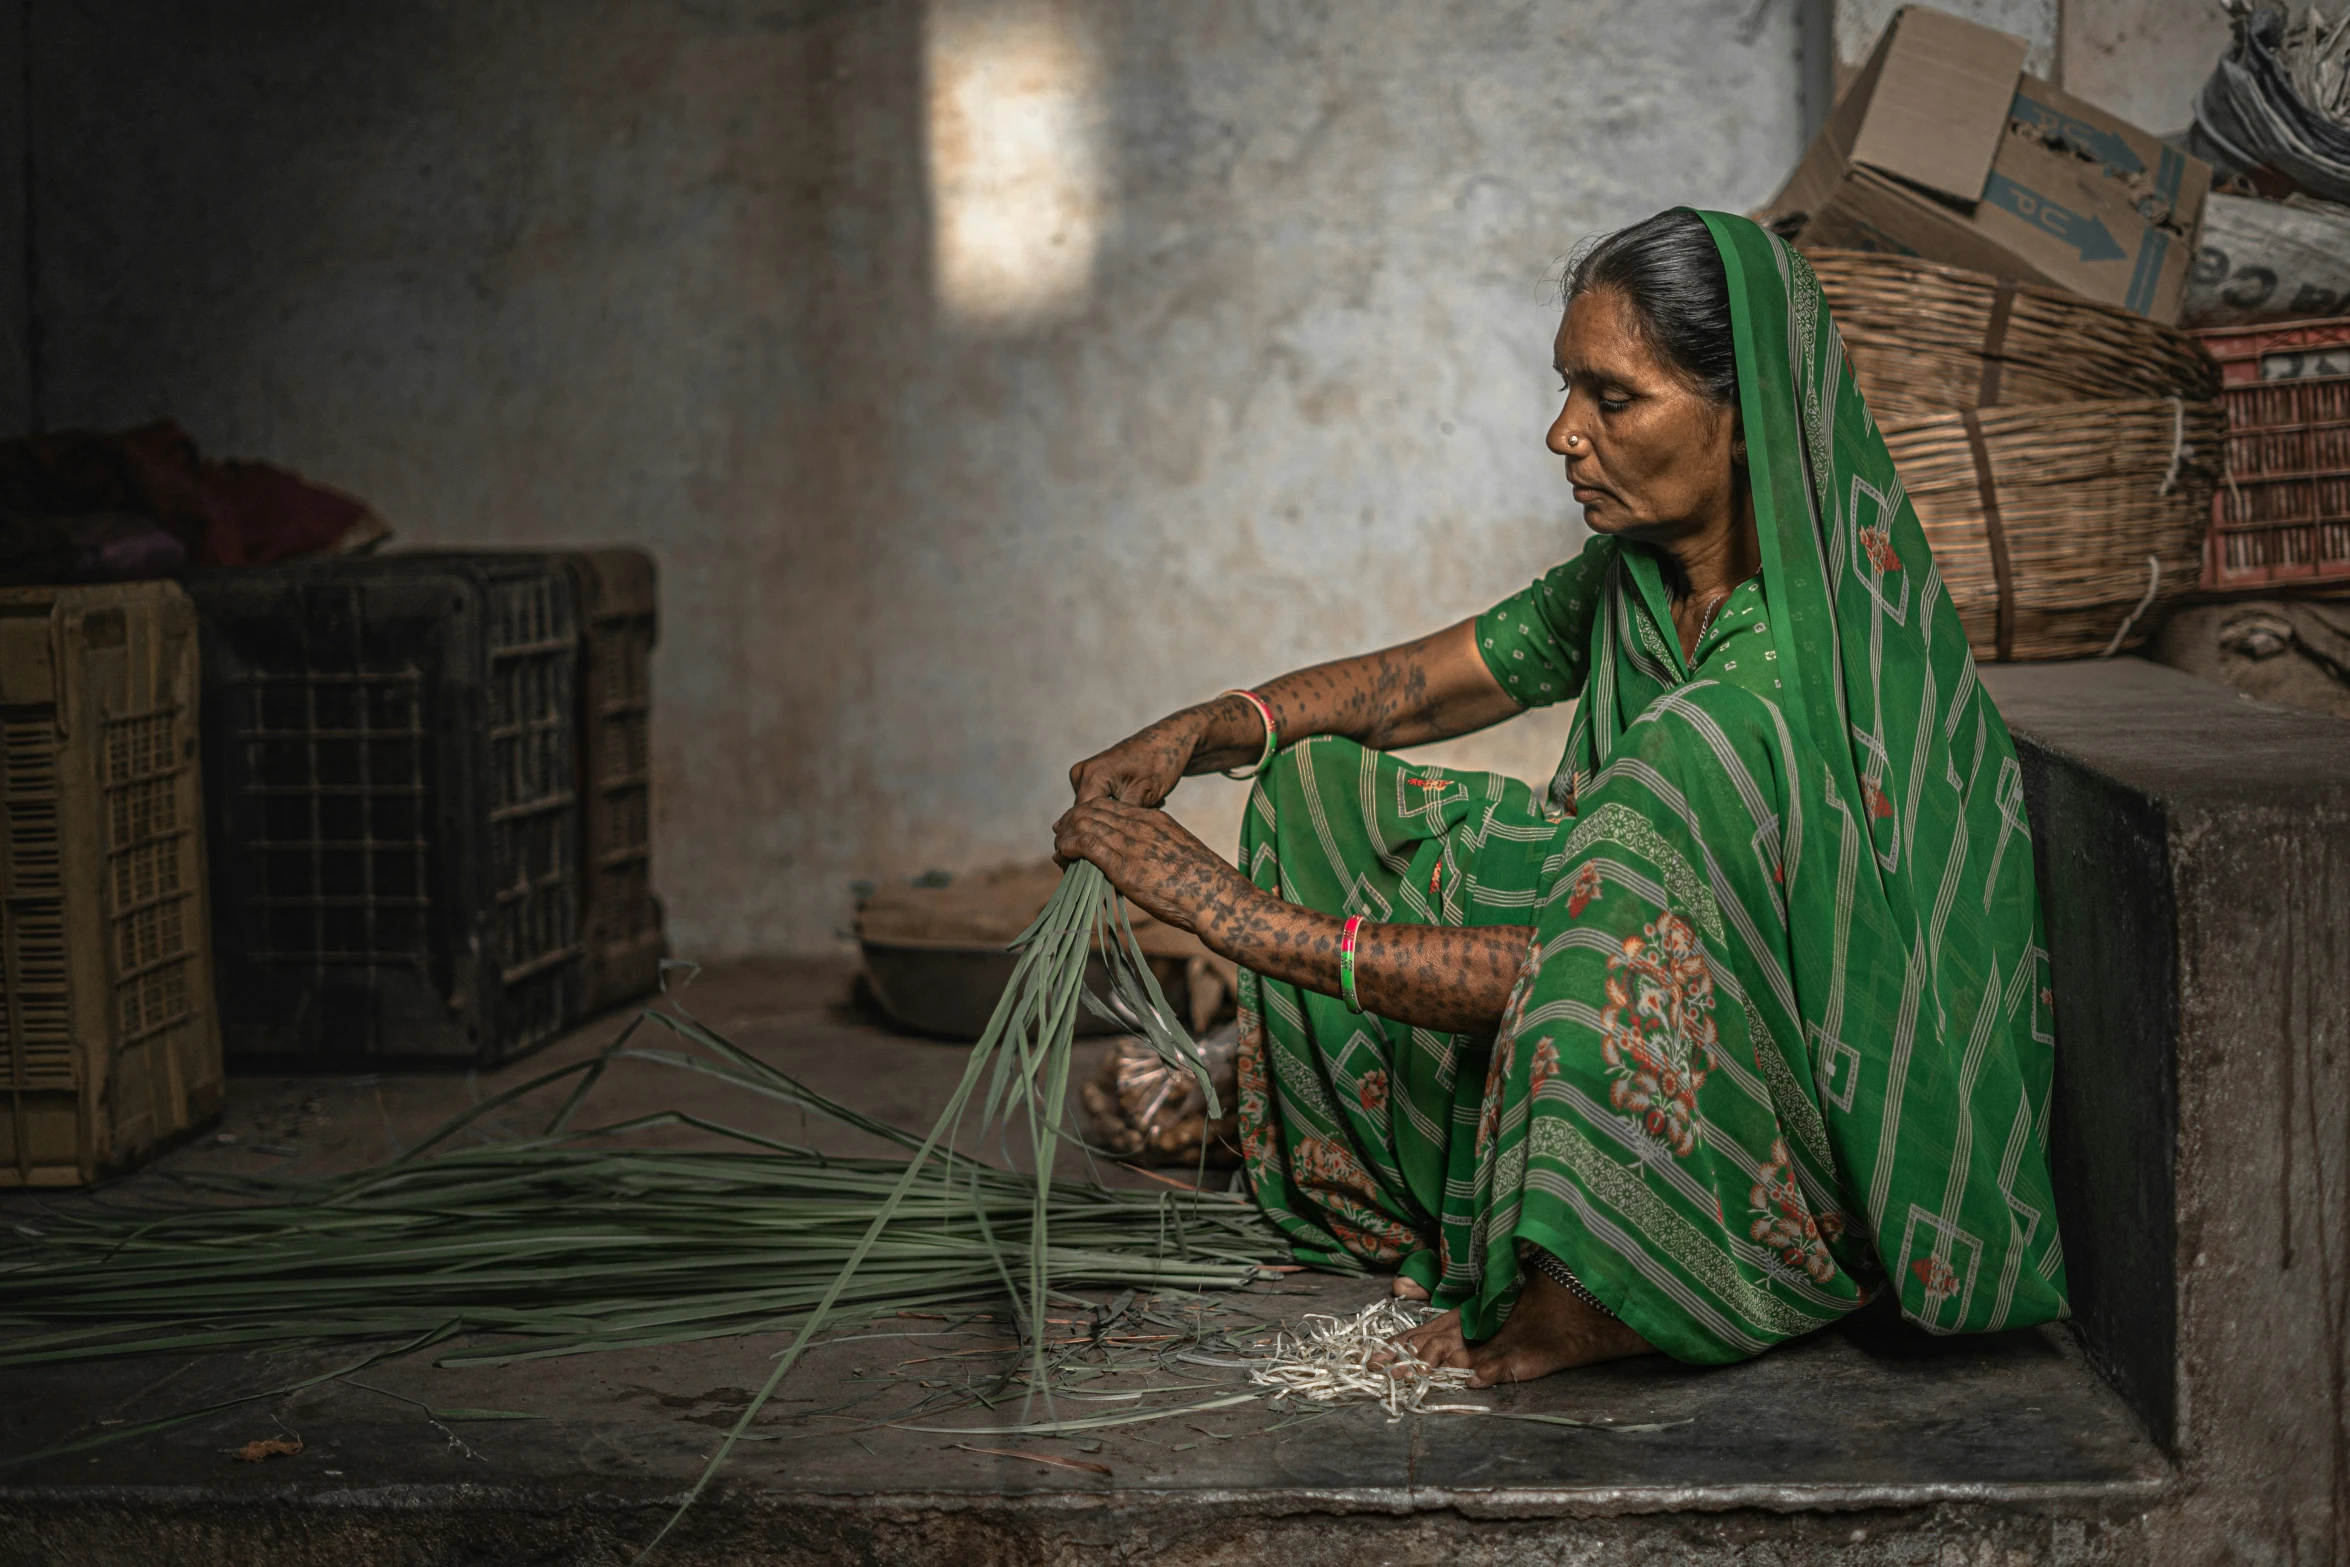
[1149, 857]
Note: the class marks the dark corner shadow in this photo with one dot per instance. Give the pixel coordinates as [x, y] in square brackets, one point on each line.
[1879, 1331]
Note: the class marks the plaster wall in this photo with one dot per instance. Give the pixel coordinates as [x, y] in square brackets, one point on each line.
[2037, 22]
[534, 272]
[16, 237]
[2142, 59]
[528, 271]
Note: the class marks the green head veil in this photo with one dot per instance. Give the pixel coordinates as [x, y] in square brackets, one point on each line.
[1915, 957]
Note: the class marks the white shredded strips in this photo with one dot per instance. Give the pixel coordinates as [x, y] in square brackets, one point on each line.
[1360, 1359]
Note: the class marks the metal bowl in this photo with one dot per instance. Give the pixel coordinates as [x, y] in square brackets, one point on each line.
[951, 990]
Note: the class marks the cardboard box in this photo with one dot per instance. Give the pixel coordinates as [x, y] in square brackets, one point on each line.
[1944, 149]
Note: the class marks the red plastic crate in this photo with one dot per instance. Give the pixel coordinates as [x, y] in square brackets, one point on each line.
[2281, 518]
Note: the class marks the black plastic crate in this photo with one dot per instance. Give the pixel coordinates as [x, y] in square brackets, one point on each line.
[621, 921]
[619, 615]
[390, 756]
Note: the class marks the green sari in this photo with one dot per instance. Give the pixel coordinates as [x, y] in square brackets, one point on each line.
[1781, 1040]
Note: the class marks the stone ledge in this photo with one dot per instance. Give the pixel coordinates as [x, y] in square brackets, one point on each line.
[803, 1535]
[2194, 859]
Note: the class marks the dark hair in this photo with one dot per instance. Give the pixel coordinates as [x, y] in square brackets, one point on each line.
[1670, 272]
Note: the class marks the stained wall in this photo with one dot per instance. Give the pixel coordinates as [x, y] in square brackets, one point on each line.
[989, 376]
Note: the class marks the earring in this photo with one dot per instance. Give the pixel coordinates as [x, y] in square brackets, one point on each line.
[1737, 448]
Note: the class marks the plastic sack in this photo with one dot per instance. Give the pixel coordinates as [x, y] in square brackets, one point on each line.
[1142, 1109]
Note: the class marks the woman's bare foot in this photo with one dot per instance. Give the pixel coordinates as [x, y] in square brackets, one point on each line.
[1409, 1289]
[1548, 1330]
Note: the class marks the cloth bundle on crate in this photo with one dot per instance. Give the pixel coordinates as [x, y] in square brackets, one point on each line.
[92, 506]
[2277, 106]
[2061, 453]
[2295, 651]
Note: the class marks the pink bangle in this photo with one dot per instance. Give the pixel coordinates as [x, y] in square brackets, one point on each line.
[1346, 962]
[1272, 736]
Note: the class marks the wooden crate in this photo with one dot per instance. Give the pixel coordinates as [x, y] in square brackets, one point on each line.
[113, 1046]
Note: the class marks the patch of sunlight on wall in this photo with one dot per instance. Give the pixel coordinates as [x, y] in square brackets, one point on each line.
[1018, 187]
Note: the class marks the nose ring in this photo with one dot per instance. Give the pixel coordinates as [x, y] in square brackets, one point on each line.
[1574, 441]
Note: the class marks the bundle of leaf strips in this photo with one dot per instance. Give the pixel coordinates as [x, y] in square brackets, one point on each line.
[1360, 1359]
[559, 1246]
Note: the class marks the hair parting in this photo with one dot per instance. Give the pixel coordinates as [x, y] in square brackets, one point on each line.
[1669, 271]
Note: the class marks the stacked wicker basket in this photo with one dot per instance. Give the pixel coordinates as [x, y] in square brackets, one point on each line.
[2061, 454]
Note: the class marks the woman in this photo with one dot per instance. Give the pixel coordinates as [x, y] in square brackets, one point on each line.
[1743, 1022]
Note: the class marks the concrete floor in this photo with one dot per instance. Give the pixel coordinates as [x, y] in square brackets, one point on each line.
[1869, 1443]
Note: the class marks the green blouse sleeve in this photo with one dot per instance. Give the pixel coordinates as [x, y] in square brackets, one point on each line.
[1538, 642]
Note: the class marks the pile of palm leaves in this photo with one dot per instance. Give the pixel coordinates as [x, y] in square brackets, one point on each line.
[559, 1246]
[566, 1242]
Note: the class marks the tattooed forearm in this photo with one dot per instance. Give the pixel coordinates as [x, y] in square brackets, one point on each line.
[1431, 689]
[1430, 976]
[1427, 976]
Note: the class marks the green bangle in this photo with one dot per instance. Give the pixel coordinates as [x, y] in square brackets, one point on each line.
[1346, 962]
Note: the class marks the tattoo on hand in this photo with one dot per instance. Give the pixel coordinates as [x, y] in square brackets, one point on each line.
[1429, 976]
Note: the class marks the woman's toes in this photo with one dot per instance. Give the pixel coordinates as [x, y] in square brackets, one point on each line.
[1449, 1322]
[1409, 1289]
[1438, 1343]
[1451, 1350]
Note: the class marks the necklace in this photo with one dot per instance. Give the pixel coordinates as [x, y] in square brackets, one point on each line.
[1707, 624]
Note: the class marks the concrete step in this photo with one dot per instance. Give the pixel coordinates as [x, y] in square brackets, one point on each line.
[1871, 1441]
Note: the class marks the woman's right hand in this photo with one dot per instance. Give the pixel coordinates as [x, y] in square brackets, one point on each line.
[1144, 768]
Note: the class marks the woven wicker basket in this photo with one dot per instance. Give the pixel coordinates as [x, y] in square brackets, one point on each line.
[1927, 338]
[2064, 530]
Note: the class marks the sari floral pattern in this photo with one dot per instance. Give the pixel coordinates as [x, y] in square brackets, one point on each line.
[1657, 1033]
[1258, 1146]
[1324, 1167]
[1584, 892]
[1497, 1073]
[1877, 544]
[1783, 1220]
[1544, 1066]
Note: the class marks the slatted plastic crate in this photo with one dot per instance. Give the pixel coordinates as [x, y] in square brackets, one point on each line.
[619, 620]
[391, 763]
[2281, 519]
[112, 1051]
[621, 921]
